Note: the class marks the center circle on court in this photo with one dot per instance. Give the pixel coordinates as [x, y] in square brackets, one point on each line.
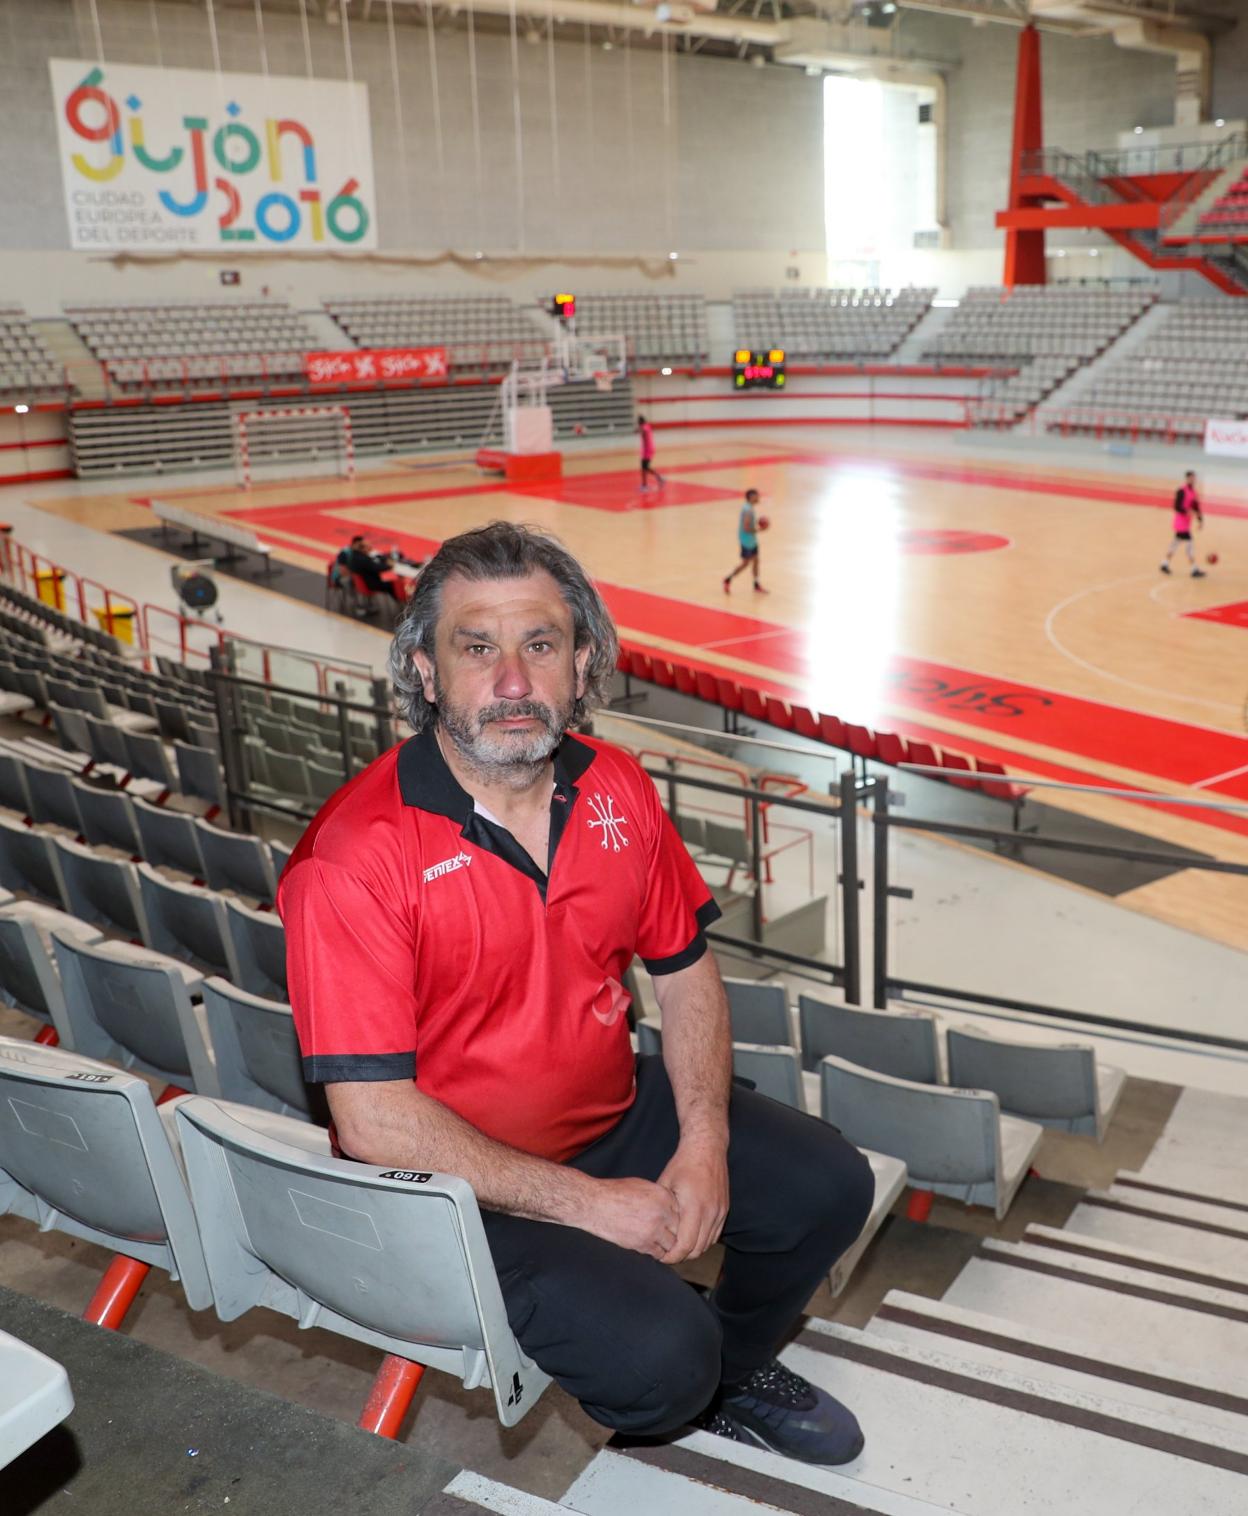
[925, 539]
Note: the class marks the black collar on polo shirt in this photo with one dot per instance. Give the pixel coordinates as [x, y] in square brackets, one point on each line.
[426, 782]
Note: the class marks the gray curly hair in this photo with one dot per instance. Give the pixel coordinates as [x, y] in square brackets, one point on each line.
[502, 550]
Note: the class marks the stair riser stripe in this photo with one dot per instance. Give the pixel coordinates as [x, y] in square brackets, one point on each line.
[1157, 1384]
[736, 1479]
[1120, 1287]
[1096, 1422]
[1105, 1204]
[1165, 1189]
[1131, 1261]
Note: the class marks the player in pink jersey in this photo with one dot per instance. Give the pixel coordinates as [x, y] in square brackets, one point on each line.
[646, 433]
[1186, 509]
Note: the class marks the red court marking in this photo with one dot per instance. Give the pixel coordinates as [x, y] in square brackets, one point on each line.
[1235, 614]
[276, 515]
[934, 539]
[1170, 750]
[623, 492]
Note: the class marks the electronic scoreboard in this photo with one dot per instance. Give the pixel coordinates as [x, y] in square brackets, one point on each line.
[758, 371]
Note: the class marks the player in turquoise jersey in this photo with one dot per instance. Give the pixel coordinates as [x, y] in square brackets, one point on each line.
[749, 524]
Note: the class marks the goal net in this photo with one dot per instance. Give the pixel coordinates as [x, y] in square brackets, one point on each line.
[293, 441]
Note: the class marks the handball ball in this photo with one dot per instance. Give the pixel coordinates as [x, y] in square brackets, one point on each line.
[1212, 558]
[763, 523]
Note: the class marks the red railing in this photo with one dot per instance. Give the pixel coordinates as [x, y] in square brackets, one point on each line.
[1112, 421]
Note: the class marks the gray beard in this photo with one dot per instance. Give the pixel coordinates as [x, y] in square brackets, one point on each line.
[514, 760]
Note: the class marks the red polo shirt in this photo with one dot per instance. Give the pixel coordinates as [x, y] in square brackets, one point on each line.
[423, 942]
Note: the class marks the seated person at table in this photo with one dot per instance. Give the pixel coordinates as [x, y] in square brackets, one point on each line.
[369, 566]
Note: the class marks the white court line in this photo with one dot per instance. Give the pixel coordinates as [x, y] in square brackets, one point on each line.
[1101, 673]
[1217, 778]
[780, 631]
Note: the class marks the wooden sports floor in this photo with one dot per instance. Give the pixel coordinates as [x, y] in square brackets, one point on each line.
[1012, 610]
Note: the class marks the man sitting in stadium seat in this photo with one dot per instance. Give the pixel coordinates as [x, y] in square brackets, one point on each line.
[369, 566]
[459, 921]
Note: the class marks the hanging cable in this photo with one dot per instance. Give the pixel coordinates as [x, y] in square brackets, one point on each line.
[479, 197]
[518, 127]
[346, 43]
[160, 55]
[260, 40]
[553, 90]
[400, 128]
[210, 12]
[99, 35]
[307, 37]
[589, 102]
[669, 148]
[435, 98]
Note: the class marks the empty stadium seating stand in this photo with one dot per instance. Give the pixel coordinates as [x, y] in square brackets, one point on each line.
[668, 329]
[482, 333]
[28, 372]
[185, 346]
[828, 324]
[1049, 331]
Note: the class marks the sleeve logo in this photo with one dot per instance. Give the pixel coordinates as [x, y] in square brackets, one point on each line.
[607, 822]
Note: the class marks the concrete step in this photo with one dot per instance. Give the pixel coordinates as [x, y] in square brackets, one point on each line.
[1073, 1246]
[1203, 1147]
[67, 348]
[943, 1434]
[1188, 222]
[468, 1493]
[1185, 1231]
[1067, 1346]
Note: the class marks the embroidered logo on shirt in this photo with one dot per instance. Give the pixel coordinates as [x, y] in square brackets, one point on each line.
[611, 1001]
[605, 817]
[461, 860]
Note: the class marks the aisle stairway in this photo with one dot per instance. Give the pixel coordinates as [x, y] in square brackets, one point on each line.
[1095, 1368]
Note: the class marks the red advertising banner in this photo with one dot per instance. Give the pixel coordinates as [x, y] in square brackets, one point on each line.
[375, 364]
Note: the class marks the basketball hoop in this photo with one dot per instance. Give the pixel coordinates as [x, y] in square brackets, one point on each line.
[604, 379]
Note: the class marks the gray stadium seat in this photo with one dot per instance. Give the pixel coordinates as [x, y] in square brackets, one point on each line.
[52, 797]
[280, 853]
[146, 756]
[14, 794]
[890, 1179]
[117, 1183]
[256, 1052]
[102, 890]
[1059, 1085]
[287, 773]
[71, 728]
[106, 743]
[774, 1071]
[389, 1257]
[186, 922]
[28, 864]
[29, 981]
[132, 1010]
[649, 1036]
[901, 1043]
[953, 1142]
[759, 1012]
[107, 817]
[199, 774]
[259, 946]
[236, 861]
[170, 840]
[34, 1397]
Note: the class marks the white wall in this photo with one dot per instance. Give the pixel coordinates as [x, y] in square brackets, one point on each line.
[725, 166]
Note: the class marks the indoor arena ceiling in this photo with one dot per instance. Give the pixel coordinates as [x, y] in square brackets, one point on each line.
[751, 30]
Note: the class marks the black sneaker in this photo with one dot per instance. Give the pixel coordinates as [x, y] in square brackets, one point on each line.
[1165, 568]
[1198, 573]
[778, 1409]
[721, 1425]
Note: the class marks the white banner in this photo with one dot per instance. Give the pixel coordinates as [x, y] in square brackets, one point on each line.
[1229, 438]
[171, 158]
